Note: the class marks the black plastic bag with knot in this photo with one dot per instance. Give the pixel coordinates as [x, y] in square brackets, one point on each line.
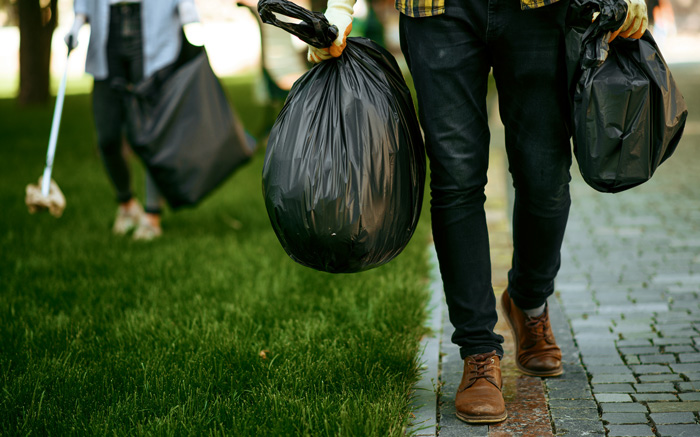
[628, 114]
[344, 171]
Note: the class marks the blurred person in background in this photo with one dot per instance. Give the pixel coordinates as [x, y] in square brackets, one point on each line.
[450, 47]
[129, 41]
[662, 22]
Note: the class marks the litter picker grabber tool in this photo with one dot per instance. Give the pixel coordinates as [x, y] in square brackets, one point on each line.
[49, 196]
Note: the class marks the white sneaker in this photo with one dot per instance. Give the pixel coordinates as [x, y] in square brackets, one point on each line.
[127, 219]
[147, 231]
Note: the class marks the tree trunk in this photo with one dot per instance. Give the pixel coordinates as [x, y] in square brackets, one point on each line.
[36, 25]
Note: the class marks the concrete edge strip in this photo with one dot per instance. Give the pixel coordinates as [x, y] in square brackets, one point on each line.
[425, 392]
[569, 397]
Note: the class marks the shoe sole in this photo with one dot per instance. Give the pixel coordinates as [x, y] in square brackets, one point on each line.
[481, 419]
[555, 372]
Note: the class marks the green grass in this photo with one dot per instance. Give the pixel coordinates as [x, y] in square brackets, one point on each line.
[102, 335]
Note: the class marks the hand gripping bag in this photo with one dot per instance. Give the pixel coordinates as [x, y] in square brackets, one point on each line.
[344, 169]
[628, 114]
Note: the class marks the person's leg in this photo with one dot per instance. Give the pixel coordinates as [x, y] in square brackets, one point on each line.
[531, 81]
[530, 77]
[448, 61]
[149, 228]
[131, 53]
[108, 114]
[450, 65]
[154, 200]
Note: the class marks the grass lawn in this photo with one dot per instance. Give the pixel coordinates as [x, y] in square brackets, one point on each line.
[103, 335]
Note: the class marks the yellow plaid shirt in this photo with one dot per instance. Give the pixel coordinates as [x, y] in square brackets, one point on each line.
[428, 8]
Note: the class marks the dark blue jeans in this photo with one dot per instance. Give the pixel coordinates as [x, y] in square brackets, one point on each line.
[450, 57]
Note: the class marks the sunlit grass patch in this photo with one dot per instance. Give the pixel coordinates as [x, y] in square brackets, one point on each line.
[210, 330]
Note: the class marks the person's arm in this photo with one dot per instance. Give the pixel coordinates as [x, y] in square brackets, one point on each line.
[189, 18]
[80, 7]
[71, 37]
[636, 22]
[338, 13]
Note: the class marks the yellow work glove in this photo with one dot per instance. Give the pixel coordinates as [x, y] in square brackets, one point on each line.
[338, 13]
[636, 22]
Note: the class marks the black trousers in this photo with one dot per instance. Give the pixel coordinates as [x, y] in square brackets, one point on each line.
[450, 57]
[125, 61]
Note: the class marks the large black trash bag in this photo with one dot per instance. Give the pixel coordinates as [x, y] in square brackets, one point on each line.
[181, 126]
[628, 114]
[344, 171]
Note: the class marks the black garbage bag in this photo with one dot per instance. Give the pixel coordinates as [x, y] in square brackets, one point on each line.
[181, 126]
[628, 114]
[344, 171]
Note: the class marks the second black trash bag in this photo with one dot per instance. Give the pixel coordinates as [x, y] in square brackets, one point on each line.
[184, 130]
[628, 114]
[344, 171]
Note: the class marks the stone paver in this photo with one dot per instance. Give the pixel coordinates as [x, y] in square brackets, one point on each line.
[667, 407]
[625, 418]
[630, 431]
[612, 397]
[679, 430]
[666, 418]
[622, 407]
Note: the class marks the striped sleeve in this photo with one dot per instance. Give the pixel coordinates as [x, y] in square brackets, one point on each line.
[429, 8]
[533, 4]
[420, 8]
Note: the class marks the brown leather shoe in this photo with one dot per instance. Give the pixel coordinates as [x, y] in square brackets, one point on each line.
[479, 398]
[536, 349]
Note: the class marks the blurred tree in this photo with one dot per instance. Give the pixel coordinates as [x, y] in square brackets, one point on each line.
[37, 20]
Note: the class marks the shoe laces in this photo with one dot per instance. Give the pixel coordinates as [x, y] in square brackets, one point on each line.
[478, 367]
[537, 326]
